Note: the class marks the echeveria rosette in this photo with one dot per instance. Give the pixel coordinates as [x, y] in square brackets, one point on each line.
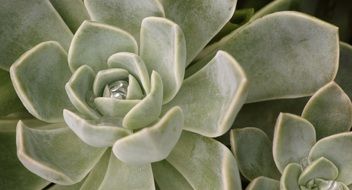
[142, 128]
[307, 152]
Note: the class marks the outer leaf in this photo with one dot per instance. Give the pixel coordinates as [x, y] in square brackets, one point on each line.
[124, 176]
[253, 151]
[263, 183]
[97, 135]
[290, 49]
[293, 139]
[205, 163]
[9, 101]
[94, 42]
[338, 149]
[125, 14]
[321, 168]
[54, 161]
[163, 49]
[153, 143]
[72, 12]
[290, 175]
[149, 109]
[168, 178]
[41, 91]
[211, 98]
[343, 77]
[13, 175]
[19, 28]
[205, 18]
[329, 110]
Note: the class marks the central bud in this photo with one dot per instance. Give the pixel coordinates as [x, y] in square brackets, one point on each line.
[116, 90]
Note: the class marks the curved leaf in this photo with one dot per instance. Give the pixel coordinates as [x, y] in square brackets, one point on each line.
[338, 149]
[290, 175]
[293, 139]
[112, 107]
[54, 161]
[261, 183]
[153, 143]
[106, 77]
[19, 23]
[253, 151]
[163, 49]
[211, 98]
[343, 77]
[329, 110]
[205, 163]
[134, 90]
[94, 43]
[41, 91]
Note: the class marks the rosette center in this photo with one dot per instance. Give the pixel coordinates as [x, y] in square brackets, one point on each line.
[117, 89]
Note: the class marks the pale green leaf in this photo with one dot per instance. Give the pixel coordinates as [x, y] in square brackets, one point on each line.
[263, 183]
[289, 178]
[112, 107]
[134, 90]
[106, 77]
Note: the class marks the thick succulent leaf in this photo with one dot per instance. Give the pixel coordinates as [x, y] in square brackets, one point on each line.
[205, 163]
[134, 90]
[338, 149]
[113, 107]
[13, 175]
[205, 18]
[329, 110]
[125, 14]
[39, 77]
[343, 77]
[253, 152]
[67, 187]
[163, 49]
[48, 152]
[168, 178]
[289, 178]
[212, 97]
[290, 49]
[79, 90]
[125, 176]
[134, 65]
[97, 135]
[263, 115]
[148, 110]
[293, 138]
[321, 168]
[73, 12]
[152, 143]
[263, 183]
[9, 101]
[105, 77]
[94, 43]
[20, 21]
[275, 6]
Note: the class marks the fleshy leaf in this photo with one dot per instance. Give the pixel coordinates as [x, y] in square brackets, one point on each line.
[211, 98]
[94, 43]
[290, 49]
[79, 90]
[343, 77]
[134, 91]
[168, 178]
[253, 152]
[41, 91]
[329, 110]
[338, 149]
[112, 107]
[205, 163]
[13, 174]
[54, 161]
[125, 14]
[148, 110]
[321, 168]
[20, 21]
[73, 12]
[263, 183]
[290, 175]
[9, 101]
[97, 135]
[125, 176]
[105, 77]
[205, 18]
[293, 138]
[153, 143]
[134, 65]
[163, 49]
